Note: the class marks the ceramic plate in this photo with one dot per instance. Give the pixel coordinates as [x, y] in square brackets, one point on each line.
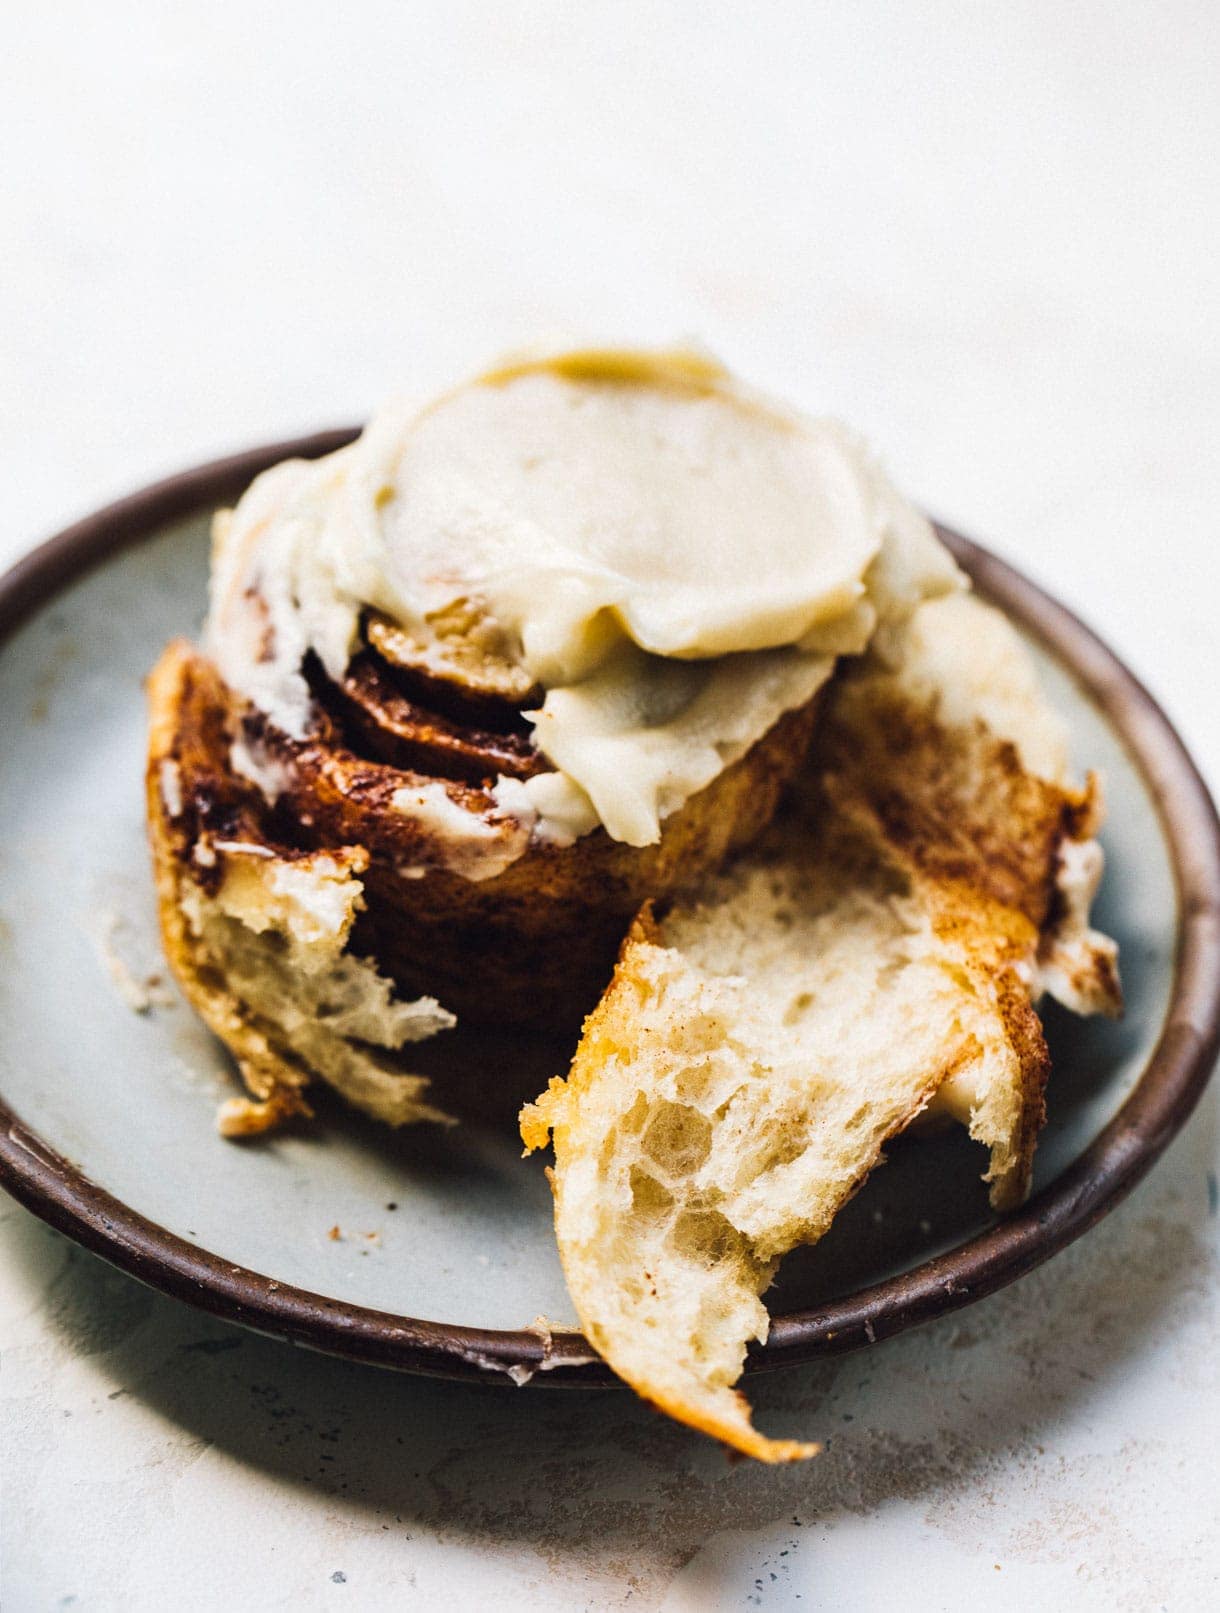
[432, 1250]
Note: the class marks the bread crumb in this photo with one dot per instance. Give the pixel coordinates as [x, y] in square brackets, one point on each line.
[248, 1117]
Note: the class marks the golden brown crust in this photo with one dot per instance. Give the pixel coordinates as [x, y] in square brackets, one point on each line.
[1012, 1172]
[984, 837]
[964, 813]
[182, 737]
[746, 1440]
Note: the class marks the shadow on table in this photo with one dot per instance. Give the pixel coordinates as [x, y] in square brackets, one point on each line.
[592, 1480]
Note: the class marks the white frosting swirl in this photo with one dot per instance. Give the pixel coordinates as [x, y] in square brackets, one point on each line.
[675, 561]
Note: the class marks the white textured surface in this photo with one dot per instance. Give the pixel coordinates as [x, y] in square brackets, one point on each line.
[988, 236]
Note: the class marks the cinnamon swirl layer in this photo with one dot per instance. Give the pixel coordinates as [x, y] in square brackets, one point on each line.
[389, 861]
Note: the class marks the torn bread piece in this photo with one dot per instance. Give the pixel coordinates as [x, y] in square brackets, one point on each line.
[882, 943]
[258, 933]
[996, 809]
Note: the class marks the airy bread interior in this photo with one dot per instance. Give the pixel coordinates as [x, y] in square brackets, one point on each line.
[759, 1045]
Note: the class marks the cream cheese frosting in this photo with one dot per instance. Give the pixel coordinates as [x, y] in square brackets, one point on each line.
[675, 561]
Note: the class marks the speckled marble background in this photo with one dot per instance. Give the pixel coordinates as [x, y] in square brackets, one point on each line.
[988, 236]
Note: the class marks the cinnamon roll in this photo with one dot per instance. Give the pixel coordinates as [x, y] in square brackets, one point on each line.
[476, 687]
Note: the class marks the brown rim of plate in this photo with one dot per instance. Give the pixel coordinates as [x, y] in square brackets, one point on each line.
[1114, 1162]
